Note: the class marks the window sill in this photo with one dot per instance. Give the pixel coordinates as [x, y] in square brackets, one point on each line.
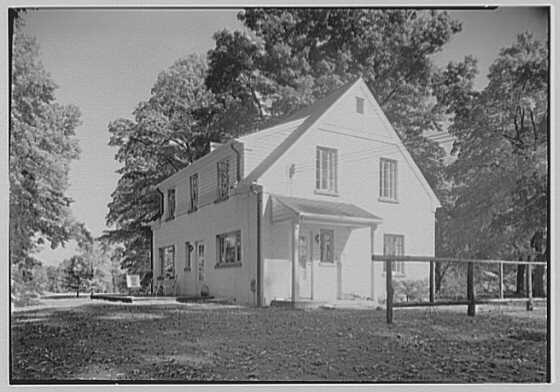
[228, 265]
[326, 193]
[385, 200]
[325, 264]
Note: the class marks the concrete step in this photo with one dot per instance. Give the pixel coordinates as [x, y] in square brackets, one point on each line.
[301, 304]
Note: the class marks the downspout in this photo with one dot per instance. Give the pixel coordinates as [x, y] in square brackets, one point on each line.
[257, 189]
[160, 213]
[259, 249]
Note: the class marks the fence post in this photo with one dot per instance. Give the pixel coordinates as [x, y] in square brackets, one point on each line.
[432, 283]
[529, 287]
[501, 282]
[389, 284]
[471, 309]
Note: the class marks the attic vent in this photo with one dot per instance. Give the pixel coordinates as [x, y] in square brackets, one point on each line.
[360, 105]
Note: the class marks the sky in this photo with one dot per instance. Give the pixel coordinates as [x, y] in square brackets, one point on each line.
[106, 61]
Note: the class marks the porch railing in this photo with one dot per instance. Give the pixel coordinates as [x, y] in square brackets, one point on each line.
[471, 301]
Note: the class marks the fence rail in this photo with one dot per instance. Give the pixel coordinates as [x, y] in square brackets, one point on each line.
[471, 301]
[424, 259]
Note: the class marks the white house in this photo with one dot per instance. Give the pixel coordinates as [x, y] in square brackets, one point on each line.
[296, 210]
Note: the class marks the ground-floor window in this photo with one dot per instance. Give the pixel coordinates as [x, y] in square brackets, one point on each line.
[188, 250]
[201, 260]
[393, 245]
[167, 261]
[327, 246]
[228, 246]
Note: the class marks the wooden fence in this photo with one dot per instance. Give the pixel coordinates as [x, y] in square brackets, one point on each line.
[471, 297]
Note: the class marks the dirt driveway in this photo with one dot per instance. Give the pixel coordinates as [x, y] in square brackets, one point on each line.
[188, 342]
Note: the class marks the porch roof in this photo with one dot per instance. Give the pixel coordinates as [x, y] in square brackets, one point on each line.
[327, 211]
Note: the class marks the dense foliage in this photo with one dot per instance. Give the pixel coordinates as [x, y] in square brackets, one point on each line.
[500, 176]
[42, 145]
[168, 132]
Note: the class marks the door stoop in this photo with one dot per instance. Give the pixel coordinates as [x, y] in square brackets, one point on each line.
[301, 304]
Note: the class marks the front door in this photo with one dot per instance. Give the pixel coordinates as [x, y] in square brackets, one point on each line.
[304, 265]
[200, 266]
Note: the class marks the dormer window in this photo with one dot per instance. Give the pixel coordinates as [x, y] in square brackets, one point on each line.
[360, 105]
[223, 180]
[171, 204]
[194, 192]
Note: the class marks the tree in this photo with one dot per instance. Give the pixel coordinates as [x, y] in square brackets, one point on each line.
[42, 145]
[77, 273]
[500, 180]
[53, 279]
[169, 131]
[293, 57]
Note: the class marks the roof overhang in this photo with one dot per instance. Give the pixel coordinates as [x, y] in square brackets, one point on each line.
[321, 212]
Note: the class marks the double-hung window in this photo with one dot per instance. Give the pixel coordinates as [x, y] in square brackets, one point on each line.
[193, 182]
[326, 170]
[388, 179]
[228, 246]
[167, 261]
[170, 203]
[393, 245]
[223, 180]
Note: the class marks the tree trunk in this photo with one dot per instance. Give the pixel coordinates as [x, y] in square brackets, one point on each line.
[520, 287]
[78, 288]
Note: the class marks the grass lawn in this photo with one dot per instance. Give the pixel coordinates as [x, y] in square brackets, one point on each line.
[94, 340]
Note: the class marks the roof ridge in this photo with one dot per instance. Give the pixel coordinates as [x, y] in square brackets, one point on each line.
[305, 111]
[316, 111]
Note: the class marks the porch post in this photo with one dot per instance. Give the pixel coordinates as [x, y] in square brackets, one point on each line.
[295, 258]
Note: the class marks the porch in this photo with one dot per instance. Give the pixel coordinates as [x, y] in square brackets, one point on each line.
[320, 251]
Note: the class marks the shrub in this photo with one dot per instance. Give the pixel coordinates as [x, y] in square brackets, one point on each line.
[411, 290]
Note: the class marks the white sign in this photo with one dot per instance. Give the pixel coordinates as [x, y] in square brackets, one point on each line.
[133, 281]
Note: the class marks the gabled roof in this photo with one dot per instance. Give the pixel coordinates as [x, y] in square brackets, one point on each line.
[311, 115]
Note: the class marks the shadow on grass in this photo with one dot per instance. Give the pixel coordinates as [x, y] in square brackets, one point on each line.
[196, 343]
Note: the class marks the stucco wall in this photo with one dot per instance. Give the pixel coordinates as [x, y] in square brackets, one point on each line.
[360, 142]
[237, 213]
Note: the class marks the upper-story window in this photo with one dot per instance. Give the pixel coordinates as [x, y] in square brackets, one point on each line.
[170, 203]
[223, 180]
[360, 105]
[193, 182]
[326, 170]
[388, 179]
